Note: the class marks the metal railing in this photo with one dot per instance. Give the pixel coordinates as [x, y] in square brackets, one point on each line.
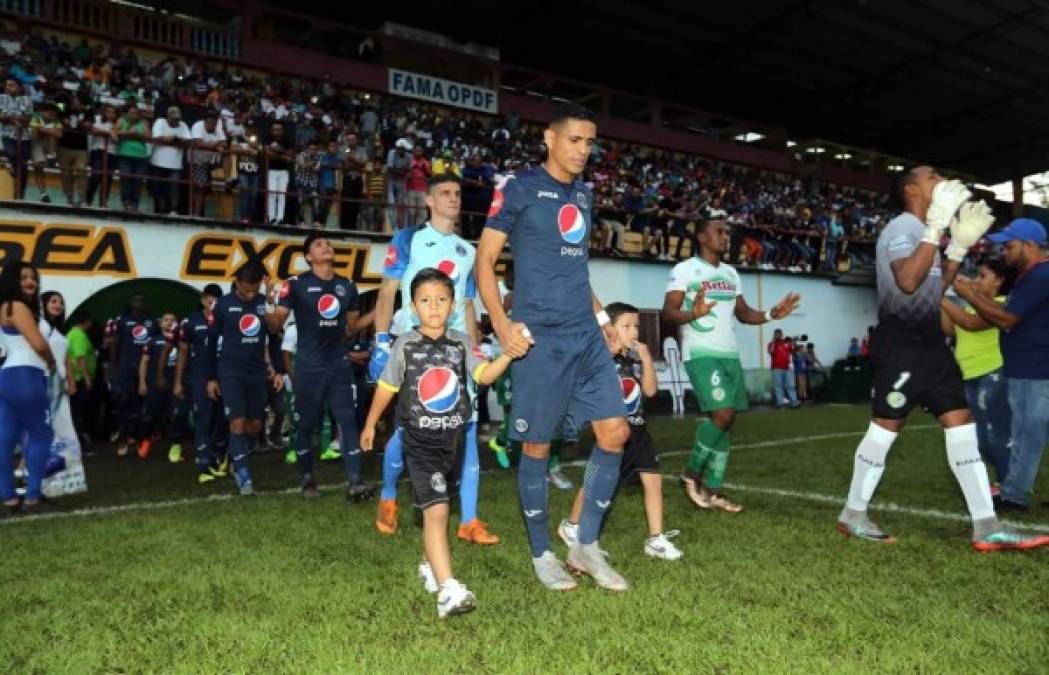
[349, 206]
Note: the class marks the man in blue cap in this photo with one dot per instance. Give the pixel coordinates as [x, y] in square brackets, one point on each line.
[1024, 321]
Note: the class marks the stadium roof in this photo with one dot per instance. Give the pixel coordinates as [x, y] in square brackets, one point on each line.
[962, 84]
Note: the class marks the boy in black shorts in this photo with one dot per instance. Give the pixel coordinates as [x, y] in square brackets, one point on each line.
[428, 367]
[637, 377]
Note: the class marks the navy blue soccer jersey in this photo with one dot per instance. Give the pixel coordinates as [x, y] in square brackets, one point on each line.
[320, 309]
[548, 224]
[193, 336]
[133, 335]
[155, 349]
[239, 327]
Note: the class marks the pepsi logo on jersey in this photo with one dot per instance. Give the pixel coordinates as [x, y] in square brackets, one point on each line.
[439, 395]
[451, 268]
[631, 394]
[328, 307]
[250, 327]
[572, 226]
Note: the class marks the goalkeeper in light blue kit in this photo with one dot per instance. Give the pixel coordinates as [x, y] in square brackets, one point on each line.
[430, 244]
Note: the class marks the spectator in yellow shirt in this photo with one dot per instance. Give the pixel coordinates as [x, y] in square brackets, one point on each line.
[446, 164]
[980, 358]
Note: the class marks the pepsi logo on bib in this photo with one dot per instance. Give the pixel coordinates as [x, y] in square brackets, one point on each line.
[328, 306]
[571, 223]
[631, 395]
[439, 390]
[250, 325]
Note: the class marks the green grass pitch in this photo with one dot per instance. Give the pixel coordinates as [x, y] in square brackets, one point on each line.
[158, 578]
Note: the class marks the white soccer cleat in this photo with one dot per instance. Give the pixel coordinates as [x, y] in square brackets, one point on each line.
[662, 548]
[428, 579]
[587, 559]
[454, 598]
[558, 479]
[569, 532]
[552, 572]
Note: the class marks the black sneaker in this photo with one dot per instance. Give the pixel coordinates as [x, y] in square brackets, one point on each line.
[309, 490]
[1001, 504]
[360, 492]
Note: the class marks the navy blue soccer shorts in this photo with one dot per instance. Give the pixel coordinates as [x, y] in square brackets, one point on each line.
[564, 375]
[334, 388]
[243, 396]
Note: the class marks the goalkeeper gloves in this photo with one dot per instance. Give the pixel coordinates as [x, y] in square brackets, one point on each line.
[973, 221]
[947, 196]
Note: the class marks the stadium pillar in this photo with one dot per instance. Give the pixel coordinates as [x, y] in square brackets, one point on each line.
[1018, 197]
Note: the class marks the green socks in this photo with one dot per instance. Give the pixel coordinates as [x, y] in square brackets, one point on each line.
[709, 439]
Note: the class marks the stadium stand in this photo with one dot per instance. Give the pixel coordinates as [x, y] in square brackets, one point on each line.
[650, 199]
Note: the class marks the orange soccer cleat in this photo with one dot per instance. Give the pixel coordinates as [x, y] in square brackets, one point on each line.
[144, 447]
[386, 522]
[476, 531]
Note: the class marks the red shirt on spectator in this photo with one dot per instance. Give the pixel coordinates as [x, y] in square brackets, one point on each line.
[781, 352]
[418, 175]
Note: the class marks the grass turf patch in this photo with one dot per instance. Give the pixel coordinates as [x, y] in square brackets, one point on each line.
[280, 584]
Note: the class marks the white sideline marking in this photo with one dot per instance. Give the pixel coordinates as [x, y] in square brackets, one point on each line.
[806, 496]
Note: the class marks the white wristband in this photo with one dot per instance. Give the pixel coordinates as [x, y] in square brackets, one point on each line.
[602, 318]
[271, 308]
[768, 316]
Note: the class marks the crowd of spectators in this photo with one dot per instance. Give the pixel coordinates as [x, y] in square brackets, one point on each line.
[315, 153]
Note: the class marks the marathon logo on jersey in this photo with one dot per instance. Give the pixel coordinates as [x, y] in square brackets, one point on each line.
[631, 394]
[250, 327]
[139, 335]
[328, 307]
[451, 268]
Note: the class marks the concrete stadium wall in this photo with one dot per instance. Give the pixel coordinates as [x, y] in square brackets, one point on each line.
[81, 252]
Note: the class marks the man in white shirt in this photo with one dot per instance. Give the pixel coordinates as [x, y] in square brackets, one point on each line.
[209, 141]
[170, 134]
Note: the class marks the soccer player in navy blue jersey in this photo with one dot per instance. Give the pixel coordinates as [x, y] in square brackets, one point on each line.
[193, 357]
[241, 374]
[327, 312]
[545, 213]
[132, 331]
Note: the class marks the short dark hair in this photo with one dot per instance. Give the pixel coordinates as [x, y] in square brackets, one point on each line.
[705, 224]
[571, 111]
[308, 241]
[618, 309]
[439, 178]
[212, 290]
[428, 275]
[251, 273]
[899, 186]
[1002, 271]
